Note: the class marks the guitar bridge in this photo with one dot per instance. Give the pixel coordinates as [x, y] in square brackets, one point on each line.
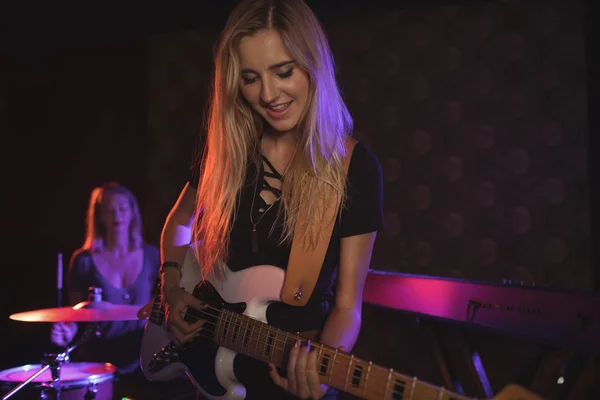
[166, 356]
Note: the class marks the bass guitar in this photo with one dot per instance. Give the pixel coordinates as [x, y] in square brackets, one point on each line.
[235, 316]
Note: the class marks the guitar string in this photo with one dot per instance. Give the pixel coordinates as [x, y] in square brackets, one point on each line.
[338, 358]
[383, 374]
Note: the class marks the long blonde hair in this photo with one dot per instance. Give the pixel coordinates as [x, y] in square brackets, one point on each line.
[234, 129]
[96, 230]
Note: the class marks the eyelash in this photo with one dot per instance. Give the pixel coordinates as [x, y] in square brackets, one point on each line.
[286, 74]
[283, 75]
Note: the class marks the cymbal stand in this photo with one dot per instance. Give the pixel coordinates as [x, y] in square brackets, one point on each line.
[54, 362]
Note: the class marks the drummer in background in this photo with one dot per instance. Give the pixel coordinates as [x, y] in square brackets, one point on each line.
[114, 258]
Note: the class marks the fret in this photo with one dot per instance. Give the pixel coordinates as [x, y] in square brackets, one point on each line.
[224, 327]
[264, 346]
[258, 339]
[319, 361]
[387, 384]
[216, 332]
[247, 335]
[230, 332]
[357, 375]
[332, 366]
[324, 370]
[348, 373]
[412, 387]
[367, 378]
[288, 343]
[269, 343]
[236, 332]
[241, 329]
[275, 345]
[256, 335]
[243, 333]
[399, 386]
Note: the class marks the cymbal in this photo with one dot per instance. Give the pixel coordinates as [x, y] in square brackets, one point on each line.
[86, 311]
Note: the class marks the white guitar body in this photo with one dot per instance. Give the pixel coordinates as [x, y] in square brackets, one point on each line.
[257, 287]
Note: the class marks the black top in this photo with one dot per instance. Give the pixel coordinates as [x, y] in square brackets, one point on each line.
[120, 341]
[362, 213]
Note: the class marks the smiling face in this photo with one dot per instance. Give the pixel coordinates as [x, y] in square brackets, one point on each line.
[271, 81]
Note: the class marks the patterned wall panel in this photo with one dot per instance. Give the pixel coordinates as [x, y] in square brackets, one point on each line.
[477, 113]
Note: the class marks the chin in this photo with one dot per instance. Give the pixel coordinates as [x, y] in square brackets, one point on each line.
[282, 126]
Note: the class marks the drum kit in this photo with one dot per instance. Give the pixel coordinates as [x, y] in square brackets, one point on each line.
[56, 377]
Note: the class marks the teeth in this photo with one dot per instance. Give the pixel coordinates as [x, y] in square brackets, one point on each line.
[279, 107]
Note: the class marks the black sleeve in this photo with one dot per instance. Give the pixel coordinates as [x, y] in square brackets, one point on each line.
[363, 209]
[78, 280]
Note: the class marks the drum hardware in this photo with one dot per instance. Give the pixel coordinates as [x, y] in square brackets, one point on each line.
[91, 392]
[94, 310]
[54, 362]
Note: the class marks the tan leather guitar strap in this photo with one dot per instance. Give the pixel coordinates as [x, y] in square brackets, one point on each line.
[305, 264]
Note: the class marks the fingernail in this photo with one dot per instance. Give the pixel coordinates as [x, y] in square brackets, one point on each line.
[308, 344]
[297, 344]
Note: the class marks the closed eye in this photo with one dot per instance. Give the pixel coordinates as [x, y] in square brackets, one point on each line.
[286, 74]
[248, 81]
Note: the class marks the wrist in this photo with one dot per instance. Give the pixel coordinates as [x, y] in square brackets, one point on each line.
[170, 272]
[169, 266]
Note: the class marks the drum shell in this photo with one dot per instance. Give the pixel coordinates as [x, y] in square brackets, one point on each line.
[76, 380]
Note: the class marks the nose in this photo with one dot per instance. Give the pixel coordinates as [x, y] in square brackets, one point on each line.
[269, 91]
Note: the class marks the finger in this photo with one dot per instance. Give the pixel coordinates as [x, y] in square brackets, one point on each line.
[186, 327]
[301, 379]
[177, 334]
[193, 302]
[59, 339]
[184, 336]
[291, 373]
[175, 319]
[312, 375]
[278, 379]
[194, 323]
[145, 311]
[56, 339]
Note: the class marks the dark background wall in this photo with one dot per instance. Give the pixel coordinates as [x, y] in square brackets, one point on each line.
[478, 111]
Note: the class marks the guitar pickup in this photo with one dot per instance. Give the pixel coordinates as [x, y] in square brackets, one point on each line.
[166, 356]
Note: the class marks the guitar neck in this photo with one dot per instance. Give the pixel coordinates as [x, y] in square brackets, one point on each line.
[157, 315]
[338, 369]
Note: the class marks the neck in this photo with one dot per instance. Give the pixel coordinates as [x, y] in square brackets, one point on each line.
[117, 243]
[279, 141]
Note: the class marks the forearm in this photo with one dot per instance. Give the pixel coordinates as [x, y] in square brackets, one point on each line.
[342, 328]
[174, 241]
[174, 244]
